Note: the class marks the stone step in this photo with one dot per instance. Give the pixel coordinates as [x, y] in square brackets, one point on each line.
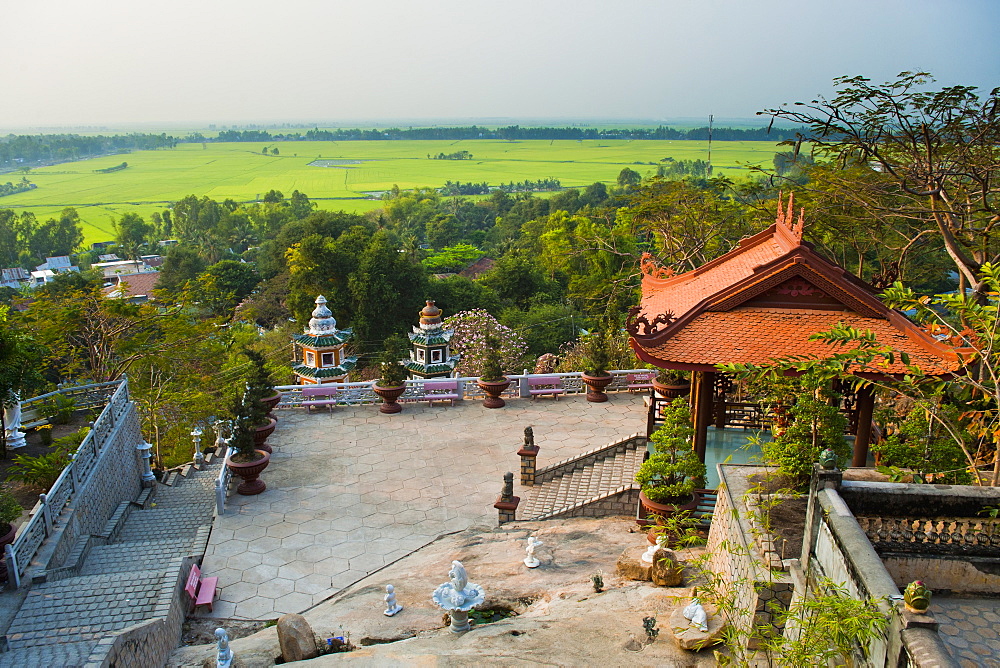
[578, 484]
[134, 556]
[84, 608]
[62, 654]
[165, 523]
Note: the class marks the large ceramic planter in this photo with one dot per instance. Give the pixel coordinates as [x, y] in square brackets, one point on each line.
[493, 390]
[250, 473]
[271, 401]
[261, 433]
[651, 509]
[595, 387]
[389, 396]
[672, 390]
[5, 540]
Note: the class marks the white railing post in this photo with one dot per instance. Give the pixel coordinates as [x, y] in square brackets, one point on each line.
[12, 569]
[524, 392]
[46, 514]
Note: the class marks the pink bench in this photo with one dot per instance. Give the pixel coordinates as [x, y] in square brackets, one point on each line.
[640, 381]
[441, 390]
[322, 395]
[201, 590]
[542, 386]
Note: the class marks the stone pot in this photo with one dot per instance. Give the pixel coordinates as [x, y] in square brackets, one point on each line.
[389, 396]
[261, 433]
[651, 509]
[271, 401]
[595, 387]
[672, 390]
[5, 540]
[493, 390]
[250, 473]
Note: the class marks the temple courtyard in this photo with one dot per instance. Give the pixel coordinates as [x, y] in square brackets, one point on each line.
[352, 491]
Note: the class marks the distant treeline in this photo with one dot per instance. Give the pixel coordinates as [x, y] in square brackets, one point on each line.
[457, 155]
[14, 188]
[510, 133]
[30, 149]
[108, 170]
[27, 150]
[484, 188]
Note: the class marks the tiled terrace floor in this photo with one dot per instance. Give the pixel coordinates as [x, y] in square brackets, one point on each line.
[969, 628]
[351, 491]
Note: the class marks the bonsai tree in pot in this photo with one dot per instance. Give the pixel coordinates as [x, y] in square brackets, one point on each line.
[259, 392]
[493, 381]
[246, 460]
[260, 382]
[597, 358]
[672, 383]
[392, 381]
[672, 473]
[10, 510]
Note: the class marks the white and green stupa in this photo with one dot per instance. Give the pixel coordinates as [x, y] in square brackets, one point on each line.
[319, 352]
[431, 355]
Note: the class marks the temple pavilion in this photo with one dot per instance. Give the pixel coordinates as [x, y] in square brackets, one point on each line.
[318, 354]
[759, 302]
[431, 355]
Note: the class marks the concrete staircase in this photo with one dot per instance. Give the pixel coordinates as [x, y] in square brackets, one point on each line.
[128, 579]
[597, 483]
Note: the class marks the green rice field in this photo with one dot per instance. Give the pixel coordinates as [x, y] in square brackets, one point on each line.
[346, 174]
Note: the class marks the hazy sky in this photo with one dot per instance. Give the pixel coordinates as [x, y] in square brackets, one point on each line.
[72, 62]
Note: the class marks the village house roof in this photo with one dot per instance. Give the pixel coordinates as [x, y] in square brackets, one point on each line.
[132, 287]
[762, 301]
[478, 268]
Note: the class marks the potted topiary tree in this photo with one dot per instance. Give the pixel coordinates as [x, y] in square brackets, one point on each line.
[260, 382]
[492, 380]
[672, 383]
[10, 511]
[391, 383]
[597, 358]
[259, 390]
[672, 473]
[246, 460]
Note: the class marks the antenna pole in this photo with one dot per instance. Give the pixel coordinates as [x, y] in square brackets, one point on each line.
[711, 117]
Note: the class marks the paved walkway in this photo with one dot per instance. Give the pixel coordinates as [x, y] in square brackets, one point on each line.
[969, 628]
[353, 490]
[119, 584]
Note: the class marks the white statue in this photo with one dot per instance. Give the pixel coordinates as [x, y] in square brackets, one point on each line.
[12, 421]
[650, 553]
[459, 578]
[696, 613]
[224, 658]
[531, 561]
[391, 607]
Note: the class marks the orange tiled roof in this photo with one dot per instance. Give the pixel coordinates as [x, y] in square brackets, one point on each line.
[682, 292]
[749, 335]
[762, 301]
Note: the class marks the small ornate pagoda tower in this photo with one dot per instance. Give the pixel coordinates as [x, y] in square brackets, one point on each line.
[430, 357]
[319, 353]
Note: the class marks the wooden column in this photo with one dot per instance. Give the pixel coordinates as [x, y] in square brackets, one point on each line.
[702, 399]
[866, 405]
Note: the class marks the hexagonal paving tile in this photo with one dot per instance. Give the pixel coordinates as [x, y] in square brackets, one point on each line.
[275, 588]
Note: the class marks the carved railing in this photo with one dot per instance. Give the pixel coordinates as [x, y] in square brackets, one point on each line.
[46, 516]
[971, 536]
[84, 396]
[349, 394]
